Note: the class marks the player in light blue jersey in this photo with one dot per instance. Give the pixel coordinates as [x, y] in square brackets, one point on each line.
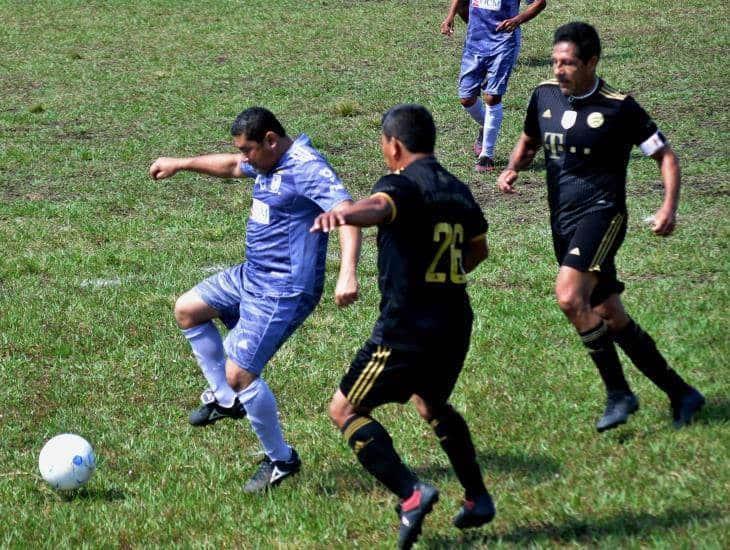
[491, 48]
[265, 298]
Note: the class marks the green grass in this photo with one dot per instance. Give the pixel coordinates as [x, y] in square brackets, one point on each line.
[94, 254]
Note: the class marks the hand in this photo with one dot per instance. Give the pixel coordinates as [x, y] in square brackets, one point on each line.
[506, 180]
[346, 289]
[664, 221]
[447, 27]
[327, 222]
[508, 25]
[164, 167]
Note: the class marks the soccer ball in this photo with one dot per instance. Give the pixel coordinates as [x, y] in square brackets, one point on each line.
[67, 461]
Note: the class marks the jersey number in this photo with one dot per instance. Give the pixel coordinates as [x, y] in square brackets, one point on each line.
[449, 237]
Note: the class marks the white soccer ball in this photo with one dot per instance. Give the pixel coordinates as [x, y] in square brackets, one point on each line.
[67, 461]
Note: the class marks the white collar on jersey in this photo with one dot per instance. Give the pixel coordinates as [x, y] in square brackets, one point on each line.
[573, 98]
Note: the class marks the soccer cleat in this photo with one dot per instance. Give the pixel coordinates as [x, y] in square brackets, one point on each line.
[684, 408]
[619, 406]
[211, 411]
[272, 472]
[475, 513]
[477, 148]
[413, 510]
[484, 164]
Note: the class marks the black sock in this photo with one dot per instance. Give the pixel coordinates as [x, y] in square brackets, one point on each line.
[603, 352]
[374, 449]
[455, 439]
[642, 351]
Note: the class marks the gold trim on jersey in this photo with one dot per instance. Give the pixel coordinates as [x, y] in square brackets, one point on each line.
[355, 425]
[611, 93]
[550, 81]
[393, 209]
[365, 381]
[606, 243]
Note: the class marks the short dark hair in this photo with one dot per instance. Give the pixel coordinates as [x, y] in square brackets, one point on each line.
[254, 122]
[412, 125]
[584, 36]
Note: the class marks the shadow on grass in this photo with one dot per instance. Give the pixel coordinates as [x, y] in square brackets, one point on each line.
[577, 530]
[533, 468]
[716, 410]
[106, 495]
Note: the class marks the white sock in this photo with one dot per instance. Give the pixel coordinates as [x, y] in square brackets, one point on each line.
[492, 124]
[260, 405]
[476, 111]
[205, 340]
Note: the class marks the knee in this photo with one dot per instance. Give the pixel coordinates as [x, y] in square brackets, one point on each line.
[184, 312]
[569, 301]
[492, 100]
[340, 410]
[238, 378]
[467, 101]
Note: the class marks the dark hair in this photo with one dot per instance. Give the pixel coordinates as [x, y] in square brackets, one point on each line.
[254, 122]
[583, 35]
[412, 125]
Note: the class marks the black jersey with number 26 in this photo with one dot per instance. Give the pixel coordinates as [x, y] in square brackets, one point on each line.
[424, 303]
[587, 143]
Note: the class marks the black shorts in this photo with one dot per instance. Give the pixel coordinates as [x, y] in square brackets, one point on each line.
[591, 246]
[380, 374]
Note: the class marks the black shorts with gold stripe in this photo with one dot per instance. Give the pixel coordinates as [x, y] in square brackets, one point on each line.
[379, 374]
[591, 246]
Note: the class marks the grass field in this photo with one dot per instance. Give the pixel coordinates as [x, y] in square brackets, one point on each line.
[94, 254]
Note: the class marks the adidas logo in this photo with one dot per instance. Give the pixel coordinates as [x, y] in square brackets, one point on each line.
[405, 521]
[575, 251]
[547, 114]
[277, 474]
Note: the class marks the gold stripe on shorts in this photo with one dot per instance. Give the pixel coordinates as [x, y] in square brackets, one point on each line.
[606, 243]
[365, 381]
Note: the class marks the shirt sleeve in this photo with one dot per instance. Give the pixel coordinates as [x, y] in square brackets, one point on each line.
[322, 185]
[247, 170]
[532, 126]
[641, 129]
[401, 192]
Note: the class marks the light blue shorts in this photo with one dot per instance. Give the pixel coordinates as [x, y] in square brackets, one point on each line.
[486, 74]
[258, 324]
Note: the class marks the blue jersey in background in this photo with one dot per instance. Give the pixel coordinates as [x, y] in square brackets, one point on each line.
[484, 16]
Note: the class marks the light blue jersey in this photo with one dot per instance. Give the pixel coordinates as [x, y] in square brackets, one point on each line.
[484, 16]
[282, 257]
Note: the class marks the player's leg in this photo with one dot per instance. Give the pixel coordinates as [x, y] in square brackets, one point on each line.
[265, 324]
[587, 274]
[378, 375]
[195, 310]
[471, 76]
[641, 349]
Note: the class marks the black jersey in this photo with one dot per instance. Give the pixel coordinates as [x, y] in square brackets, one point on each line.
[421, 278]
[587, 142]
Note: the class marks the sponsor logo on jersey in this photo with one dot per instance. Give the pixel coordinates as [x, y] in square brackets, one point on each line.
[595, 120]
[275, 183]
[547, 114]
[568, 120]
[494, 5]
[260, 212]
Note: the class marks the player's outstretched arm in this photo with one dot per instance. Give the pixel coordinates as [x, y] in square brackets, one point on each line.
[665, 218]
[364, 213]
[521, 157]
[347, 287]
[221, 165]
[508, 25]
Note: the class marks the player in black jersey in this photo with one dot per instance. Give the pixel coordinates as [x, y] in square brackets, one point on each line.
[587, 130]
[431, 233]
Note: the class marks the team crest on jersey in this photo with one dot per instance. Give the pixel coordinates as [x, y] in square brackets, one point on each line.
[568, 120]
[547, 114]
[260, 212]
[595, 120]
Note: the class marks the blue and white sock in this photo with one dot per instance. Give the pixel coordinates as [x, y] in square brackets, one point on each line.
[492, 125]
[476, 111]
[260, 405]
[205, 340]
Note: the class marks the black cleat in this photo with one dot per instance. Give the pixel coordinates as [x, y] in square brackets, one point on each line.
[685, 407]
[475, 513]
[211, 411]
[619, 406]
[272, 472]
[413, 511]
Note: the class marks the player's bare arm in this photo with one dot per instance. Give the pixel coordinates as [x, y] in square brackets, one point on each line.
[666, 217]
[347, 287]
[521, 157]
[508, 25]
[221, 165]
[475, 253]
[447, 27]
